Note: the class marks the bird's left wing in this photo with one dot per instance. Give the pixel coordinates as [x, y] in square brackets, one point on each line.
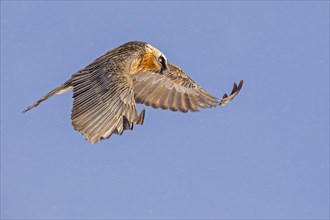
[175, 90]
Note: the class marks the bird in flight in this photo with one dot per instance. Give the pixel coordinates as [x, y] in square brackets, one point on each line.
[105, 92]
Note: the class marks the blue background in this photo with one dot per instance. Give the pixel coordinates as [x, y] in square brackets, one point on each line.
[264, 155]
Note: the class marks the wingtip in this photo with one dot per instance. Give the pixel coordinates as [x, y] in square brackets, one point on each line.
[236, 89]
[240, 84]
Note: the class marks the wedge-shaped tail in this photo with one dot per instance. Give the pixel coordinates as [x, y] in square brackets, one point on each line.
[65, 87]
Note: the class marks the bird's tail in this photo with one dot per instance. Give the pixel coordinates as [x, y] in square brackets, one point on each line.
[65, 87]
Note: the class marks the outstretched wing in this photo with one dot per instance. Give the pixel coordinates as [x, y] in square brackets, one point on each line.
[174, 90]
[103, 103]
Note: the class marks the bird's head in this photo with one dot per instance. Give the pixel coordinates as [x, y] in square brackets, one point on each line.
[150, 60]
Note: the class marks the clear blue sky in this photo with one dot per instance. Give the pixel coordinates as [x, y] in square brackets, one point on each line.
[264, 155]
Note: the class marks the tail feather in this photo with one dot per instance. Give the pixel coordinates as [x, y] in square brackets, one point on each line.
[59, 90]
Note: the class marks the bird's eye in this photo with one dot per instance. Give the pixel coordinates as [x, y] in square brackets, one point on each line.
[161, 60]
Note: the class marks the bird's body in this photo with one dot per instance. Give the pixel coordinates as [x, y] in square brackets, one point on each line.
[105, 92]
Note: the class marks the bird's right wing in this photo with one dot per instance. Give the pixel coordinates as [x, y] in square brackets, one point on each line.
[175, 91]
[103, 103]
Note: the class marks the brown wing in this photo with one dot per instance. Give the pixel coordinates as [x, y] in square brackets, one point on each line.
[103, 103]
[175, 91]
